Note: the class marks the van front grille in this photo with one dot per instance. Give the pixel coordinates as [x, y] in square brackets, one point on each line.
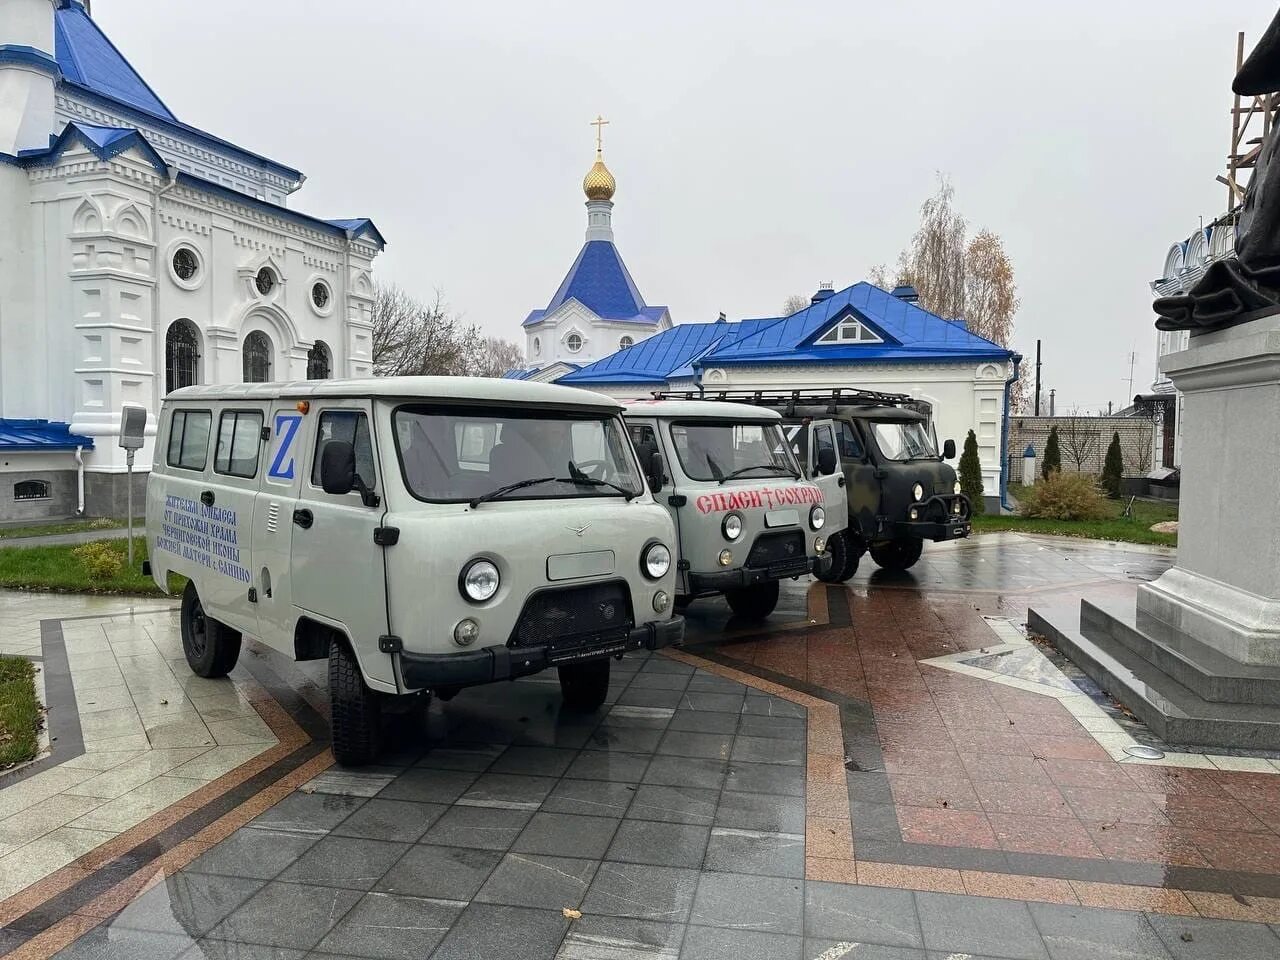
[575, 616]
[777, 549]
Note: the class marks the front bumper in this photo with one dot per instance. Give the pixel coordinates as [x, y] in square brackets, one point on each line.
[925, 530]
[723, 580]
[472, 667]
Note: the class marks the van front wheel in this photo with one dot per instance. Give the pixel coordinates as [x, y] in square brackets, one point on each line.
[211, 648]
[354, 710]
[585, 685]
[753, 603]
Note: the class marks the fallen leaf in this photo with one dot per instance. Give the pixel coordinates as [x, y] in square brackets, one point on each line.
[571, 914]
[164, 703]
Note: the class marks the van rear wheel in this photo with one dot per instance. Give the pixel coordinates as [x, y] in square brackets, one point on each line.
[355, 714]
[753, 603]
[211, 648]
[585, 685]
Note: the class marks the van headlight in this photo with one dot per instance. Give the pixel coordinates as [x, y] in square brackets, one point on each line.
[917, 492]
[817, 518]
[479, 581]
[956, 488]
[732, 527]
[655, 561]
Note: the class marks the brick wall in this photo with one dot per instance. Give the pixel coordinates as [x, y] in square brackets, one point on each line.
[1083, 442]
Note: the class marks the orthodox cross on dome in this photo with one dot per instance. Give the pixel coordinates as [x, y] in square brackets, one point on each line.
[599, 123]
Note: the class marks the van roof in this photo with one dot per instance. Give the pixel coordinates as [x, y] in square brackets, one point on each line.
[465, 389]
[698, 410]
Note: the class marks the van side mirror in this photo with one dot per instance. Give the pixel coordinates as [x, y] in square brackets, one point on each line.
[656, 471]
[949, 450]
[827, 462]
[338, 467]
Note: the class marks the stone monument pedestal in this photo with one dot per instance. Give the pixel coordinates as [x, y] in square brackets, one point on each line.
[1198, 657]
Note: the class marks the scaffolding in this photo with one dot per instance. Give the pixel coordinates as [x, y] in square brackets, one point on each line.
[1251, 120]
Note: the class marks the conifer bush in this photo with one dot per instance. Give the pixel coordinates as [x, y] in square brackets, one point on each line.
[971, 473]
[1113, 468]
[1052, 455]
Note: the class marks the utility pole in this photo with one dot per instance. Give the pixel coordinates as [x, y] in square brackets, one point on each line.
[1052, 394]
[1133, 358]
[1037, 378]
[1108, 408]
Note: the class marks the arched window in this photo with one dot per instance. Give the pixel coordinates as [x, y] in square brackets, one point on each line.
[537, 346]
[257, 357]
[319, 362]
[181, 355]
[573, 342]
[31, 490]
[626, 342]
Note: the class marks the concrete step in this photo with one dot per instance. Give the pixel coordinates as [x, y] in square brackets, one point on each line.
[1210, 673]
[1174, 712]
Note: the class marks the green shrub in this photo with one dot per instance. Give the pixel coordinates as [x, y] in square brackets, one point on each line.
[1065, 496]
[1052, 455]
[1113, 468]
[971, 474]
[100, 559]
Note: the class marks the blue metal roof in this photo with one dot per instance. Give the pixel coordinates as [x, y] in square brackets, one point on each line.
[910, 333]
[92, 64]
[87, 58]
[358, 226]
[39, 436]
[599, 280]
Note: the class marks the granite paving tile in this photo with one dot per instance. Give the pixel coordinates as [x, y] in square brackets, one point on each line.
[353, 863]
[665, 844]
[489, 931]
[736, 850]
[672, 804]
[707, 943]
[257, 853]
[1191, 938]
[567, 835]
[979, 925]
[861, 915]
[491, 828]
[1086, 933]
[399, 820]
[287, 915]
[621, 938]
[642, 891]
[448, 873]
[747, 902]
[186, 904]
[537, 880]
[391, 927]
[595, 798]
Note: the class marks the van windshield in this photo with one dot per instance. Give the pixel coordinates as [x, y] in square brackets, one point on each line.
[905, 441]
[461, 454]
[723, 450]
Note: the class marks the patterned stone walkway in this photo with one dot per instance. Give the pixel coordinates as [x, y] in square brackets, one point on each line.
[811, 791]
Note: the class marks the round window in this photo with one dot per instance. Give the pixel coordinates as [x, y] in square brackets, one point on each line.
[573, 342]
[265, 281]
[537, 346]
[626, 342]
[185, 263]
[320, 295]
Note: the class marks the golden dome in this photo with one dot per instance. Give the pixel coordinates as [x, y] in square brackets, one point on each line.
[599, 184]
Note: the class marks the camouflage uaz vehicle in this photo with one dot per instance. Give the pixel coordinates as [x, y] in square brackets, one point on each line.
[900, 491]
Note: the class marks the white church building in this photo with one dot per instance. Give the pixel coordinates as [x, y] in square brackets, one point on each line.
[140, 254]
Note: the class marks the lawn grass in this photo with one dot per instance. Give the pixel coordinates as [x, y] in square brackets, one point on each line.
[69, 526]
[19, 711]
[1134, 529]
[59, 570]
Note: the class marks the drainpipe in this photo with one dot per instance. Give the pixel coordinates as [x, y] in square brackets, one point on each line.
[79, 482]
[1004, 436]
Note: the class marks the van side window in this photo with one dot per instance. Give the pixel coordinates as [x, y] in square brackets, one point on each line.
[822, 440]
[850, 445]
[239, 443]
[189, 439]
[351, 427]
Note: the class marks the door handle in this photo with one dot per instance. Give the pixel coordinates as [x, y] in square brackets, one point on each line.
[303, 518]
[840, 482]
[207, 498]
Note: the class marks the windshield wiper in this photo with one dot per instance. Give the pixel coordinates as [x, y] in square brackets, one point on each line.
[576, 475]
[507, 488]
[760, 466]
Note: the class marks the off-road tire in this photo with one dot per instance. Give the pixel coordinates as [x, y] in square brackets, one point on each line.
[753, 603]
[831, 565]
[897, 555]
[852, 555]
[585, 685]
[211, 648]
[355, 714]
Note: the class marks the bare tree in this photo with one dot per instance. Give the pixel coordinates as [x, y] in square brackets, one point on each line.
[412, 338]
[882, 278]
[934, 262]
[494, 357]
[991, 297]
[794, 304]
[1078, 439]
[1138, 447]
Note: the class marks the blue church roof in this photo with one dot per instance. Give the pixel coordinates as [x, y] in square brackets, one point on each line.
[599, 280]
[39, 435]
[908, 332]
[87, 58]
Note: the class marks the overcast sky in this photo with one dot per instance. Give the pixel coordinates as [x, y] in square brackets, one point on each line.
[759, 148]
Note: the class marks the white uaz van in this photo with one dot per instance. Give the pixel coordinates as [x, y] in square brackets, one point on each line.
[423, 533]
[745, 516]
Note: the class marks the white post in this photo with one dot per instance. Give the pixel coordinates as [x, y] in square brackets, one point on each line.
[1029, 466]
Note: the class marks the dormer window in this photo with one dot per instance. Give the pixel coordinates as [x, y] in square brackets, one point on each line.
[626, 342]
[850, 330]
[265, 281]
[573, 342]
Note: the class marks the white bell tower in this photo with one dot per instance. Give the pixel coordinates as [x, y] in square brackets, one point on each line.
[28, 72]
